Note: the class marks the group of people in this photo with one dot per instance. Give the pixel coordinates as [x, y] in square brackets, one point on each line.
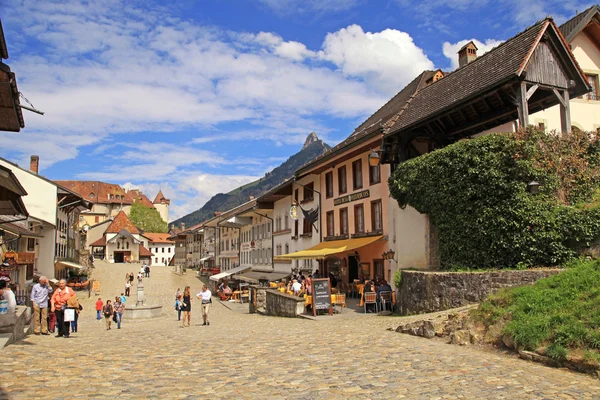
[183, 304]
[378, 286]
[301, 285]
[64, 308]
[112, 311]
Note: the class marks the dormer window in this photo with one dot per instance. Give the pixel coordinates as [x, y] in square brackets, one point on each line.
[112, 197]
[92, 195]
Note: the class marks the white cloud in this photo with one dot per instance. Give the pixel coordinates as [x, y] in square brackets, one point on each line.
[287, 7]
[106, 69]
[387, 59]
[451, 49]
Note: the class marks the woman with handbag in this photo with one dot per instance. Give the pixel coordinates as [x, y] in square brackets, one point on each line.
[73, 303]
[118, 308]
[108, 313]
[186, 307]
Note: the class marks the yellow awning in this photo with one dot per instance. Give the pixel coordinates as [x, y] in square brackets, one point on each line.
[325, 249]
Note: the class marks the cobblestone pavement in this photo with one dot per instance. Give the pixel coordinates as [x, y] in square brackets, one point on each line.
[256, 357]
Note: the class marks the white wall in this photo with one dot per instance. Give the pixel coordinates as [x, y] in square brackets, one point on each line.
[157, 252]
[41, 195]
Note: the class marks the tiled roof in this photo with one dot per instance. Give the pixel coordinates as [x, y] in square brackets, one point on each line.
[389, 112]
[135, 194]
[158, 237]
[498, 65]
[144, 252]
[122, 222]
[98, 192]
[100, 242]
[570, 28]
[160, 198]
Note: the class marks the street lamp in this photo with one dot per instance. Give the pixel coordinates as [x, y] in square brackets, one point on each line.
[533, 187]
[374, 158]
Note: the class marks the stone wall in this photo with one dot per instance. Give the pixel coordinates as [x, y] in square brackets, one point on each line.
[425, 292]
[283, 305]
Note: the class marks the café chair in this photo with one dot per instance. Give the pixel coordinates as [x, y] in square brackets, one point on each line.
[371, 298]
[340, 300]
[386, 298]
[245, 294]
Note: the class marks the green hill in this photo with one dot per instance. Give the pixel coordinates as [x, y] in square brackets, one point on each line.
[313, 147]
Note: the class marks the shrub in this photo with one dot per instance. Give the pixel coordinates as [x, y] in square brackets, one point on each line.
[397, 279]
[475, 193]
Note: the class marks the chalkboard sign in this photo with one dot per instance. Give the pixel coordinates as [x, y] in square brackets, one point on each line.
[321, 295]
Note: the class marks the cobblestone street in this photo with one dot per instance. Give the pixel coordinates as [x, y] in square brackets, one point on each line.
[256, 357]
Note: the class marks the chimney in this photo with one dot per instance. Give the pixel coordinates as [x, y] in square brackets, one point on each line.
[34, 164]
[467, 54]
[251, 198]
[183, 226]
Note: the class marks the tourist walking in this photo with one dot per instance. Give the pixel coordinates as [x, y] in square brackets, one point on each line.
[147, 270]
[118, 308]
[73, 303]
[39, 299]
[143, 269]
[131, 276]
[59, 304]
[205, 295]
[178, 306]
[108, 314]
[140, 276]
[127, 288]
[186, 306]
[99, 305]
[123, 298]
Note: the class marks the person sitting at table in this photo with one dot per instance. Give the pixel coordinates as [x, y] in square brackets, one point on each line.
[224, 291]
[384, 287]
[333, 280]
[369, 288]
[296, 287]
[308, 285]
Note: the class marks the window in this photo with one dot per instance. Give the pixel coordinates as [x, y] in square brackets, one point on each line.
[286, 220]
[296, 228]
[81, 218]
[376, 216]
[541, 126]
[112, 196]
[329, 184]
[156, 250]
[162, 260]
[309, 193]
[127, 245]
[342, 188]
[97, 218]
[357, 182]
[378, 264]
[593, 81]
[92, 195]
[163, 249]
[306, 226]
[344, 221]
[156, 260]
[374, 174]
[287, 248]
[330, 226]
[359, 218]
[296, 195]
[30, 244]
[169, 250]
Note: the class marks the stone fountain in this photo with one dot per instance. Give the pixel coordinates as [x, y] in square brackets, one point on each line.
[140, 310]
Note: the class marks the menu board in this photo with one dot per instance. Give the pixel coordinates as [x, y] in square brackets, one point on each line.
[321, 295]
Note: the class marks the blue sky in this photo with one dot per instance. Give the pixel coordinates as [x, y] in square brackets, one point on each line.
[202, 96]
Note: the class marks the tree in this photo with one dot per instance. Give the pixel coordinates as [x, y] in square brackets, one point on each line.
[146, 218]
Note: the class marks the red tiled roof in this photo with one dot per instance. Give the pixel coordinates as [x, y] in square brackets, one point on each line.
[160, 198]
[100, 242]
[158, 237]
[121, 222]
[98, 192]
[136, 195]
[144, 252]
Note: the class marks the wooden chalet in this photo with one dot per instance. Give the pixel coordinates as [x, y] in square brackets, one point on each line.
[530, 72]
[11, 116]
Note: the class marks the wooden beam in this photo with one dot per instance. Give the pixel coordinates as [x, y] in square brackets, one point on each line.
[474, 110]
[532, 90]
[522, 107]
[484, 119]
[565, 113]
[559, 97]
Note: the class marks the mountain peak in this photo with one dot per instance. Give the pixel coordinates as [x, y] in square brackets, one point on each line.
[311, 138]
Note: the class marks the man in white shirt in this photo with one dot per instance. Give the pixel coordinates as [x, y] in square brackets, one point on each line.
[296, 287]
[205, 295]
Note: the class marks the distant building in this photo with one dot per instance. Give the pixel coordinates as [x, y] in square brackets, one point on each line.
[161, 247]
[162, 205]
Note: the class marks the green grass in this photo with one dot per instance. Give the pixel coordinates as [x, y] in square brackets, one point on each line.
[559, 313]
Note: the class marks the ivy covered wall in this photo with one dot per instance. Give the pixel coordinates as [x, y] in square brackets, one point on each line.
[475, 192]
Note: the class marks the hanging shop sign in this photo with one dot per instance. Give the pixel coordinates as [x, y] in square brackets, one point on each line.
[352, 197]
[294, 212]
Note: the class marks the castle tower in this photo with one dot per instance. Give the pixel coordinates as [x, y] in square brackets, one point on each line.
[162, 205]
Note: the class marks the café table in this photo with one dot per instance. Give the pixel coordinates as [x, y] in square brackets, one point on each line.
[236, 295]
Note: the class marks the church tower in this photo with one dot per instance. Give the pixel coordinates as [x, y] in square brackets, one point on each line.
[162, 205]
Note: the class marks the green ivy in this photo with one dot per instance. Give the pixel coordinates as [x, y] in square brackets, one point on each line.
[475, 193]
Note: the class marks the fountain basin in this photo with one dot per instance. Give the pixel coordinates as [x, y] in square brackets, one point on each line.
[142, 311]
